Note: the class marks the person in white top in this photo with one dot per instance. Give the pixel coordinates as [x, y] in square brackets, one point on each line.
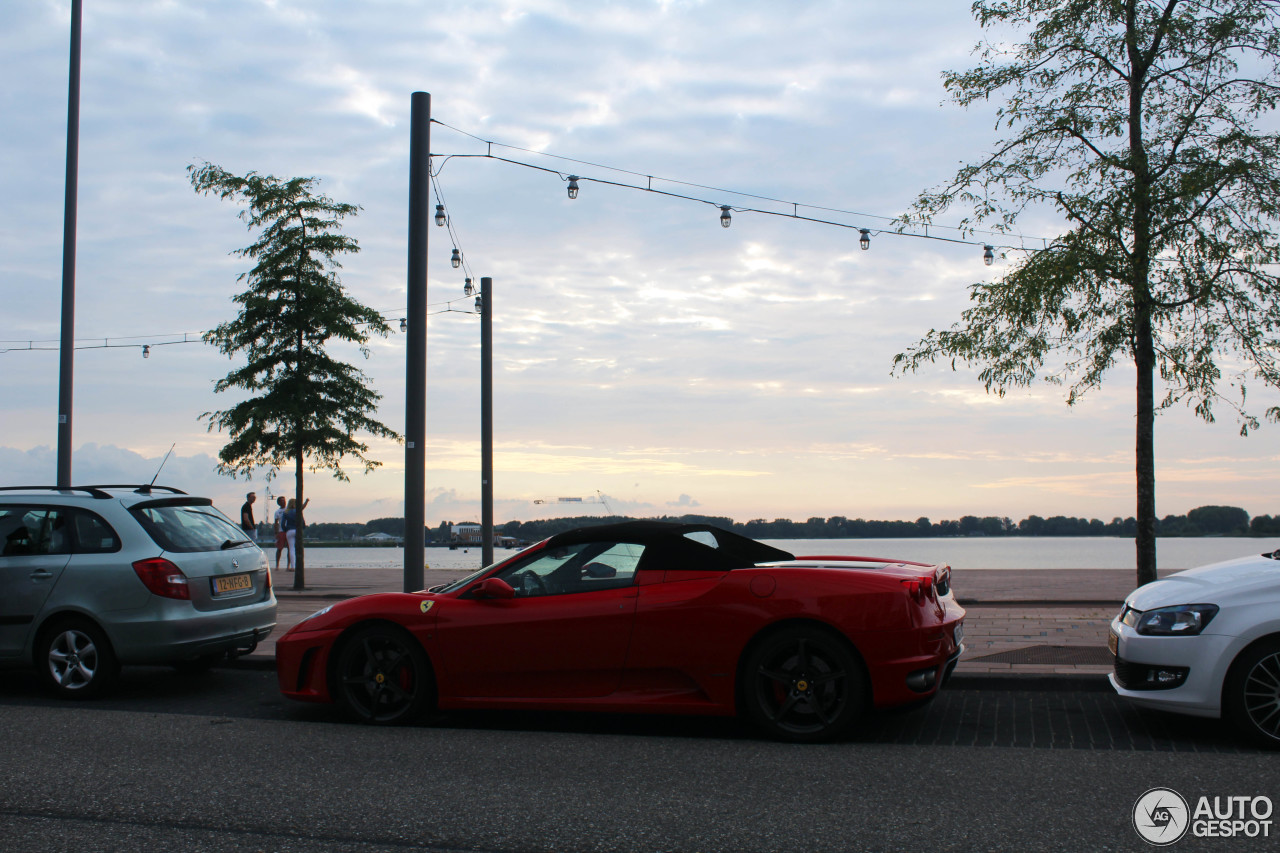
[290, 522]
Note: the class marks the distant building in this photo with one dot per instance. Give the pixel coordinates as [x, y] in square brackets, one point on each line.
[381, 537]
[465, 534]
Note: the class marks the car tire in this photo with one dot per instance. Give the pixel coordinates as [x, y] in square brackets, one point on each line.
[381, 676]
[75, 660]
[803, 685]
[1252, 694]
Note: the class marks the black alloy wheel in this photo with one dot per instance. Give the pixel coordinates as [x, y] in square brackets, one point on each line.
[76, 660]
[804, 685]
[382, 677]
[1252, 695]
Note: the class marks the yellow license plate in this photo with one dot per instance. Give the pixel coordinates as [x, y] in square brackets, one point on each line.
[1113, 643]
[232, 583]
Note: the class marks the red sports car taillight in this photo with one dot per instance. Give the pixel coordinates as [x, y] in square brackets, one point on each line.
[163, 578]
[921, 589]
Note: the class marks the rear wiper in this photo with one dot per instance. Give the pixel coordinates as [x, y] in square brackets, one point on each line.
[235, 543]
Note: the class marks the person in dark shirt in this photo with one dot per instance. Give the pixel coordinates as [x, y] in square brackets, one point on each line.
[247, 524]
[282, 541]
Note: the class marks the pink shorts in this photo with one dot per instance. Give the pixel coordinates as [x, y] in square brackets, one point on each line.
[282, 541]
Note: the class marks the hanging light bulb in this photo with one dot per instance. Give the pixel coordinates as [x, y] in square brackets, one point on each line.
[865, 240]
[468, 288]
[573, 186]
[440, 217]
[988, 255]
[480, 304]
[456, 260]
[146, 350]
[404, 324]
[725, 216]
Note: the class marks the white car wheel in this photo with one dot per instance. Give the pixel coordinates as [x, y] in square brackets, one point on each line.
[1253, 694]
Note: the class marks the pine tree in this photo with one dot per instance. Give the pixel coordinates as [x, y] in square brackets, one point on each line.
[303, 406]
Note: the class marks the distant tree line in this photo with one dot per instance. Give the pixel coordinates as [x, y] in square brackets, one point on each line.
[330, 531]
[1201, 521]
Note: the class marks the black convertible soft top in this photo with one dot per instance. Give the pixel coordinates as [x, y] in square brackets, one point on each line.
[668, 545]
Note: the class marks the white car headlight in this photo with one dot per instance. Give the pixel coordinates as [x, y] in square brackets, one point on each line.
[1182, 620]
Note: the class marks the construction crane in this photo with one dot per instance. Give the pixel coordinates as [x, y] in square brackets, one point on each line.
[598, 499]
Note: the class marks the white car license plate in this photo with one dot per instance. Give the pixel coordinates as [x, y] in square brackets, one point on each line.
[232, 583]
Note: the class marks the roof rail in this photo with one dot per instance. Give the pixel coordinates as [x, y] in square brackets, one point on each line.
[143, 489]
[95, 491]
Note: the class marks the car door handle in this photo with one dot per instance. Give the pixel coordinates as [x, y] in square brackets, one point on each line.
[41, 575]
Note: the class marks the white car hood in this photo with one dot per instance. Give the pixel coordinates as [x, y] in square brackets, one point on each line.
[1220, 583]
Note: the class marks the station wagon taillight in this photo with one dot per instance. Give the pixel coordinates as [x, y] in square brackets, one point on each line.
[163, 578]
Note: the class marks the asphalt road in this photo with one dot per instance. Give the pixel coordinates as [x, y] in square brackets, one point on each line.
[219, 762]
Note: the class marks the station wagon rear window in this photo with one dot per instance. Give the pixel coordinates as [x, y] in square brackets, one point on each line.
[187, 526]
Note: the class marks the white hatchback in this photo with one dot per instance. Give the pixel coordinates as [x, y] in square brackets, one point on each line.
[1206, 642]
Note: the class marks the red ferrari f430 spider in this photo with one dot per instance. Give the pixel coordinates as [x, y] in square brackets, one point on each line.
[641, 617]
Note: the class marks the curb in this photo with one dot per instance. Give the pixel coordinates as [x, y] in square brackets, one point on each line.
[1040, 682]
[261, 663]
[1040, 602]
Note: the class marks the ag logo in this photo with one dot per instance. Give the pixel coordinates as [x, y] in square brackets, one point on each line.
[1161, 816]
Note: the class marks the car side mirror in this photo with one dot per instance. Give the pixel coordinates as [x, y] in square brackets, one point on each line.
[495, 588]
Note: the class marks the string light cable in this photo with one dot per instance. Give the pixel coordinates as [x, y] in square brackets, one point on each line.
[865, 234]
[928, 231]
[157, 340]
[458, 258]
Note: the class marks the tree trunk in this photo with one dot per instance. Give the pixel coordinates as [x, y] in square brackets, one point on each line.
[1144, 357]
[1145, 452]
[299, 577]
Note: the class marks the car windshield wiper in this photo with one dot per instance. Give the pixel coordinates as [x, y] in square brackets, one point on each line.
[235, 543]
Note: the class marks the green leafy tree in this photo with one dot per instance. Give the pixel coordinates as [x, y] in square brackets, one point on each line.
[304, 407]
[1137, 122]
[1220, 520]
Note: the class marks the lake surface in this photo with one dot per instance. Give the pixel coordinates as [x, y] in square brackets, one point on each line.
[1039, 552]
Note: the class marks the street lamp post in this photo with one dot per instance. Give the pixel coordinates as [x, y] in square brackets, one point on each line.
[485, 305]
[66, 352]
[416, 344]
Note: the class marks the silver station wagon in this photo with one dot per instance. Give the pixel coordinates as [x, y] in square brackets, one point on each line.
[93, 577]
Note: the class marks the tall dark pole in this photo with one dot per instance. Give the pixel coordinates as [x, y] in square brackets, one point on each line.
[66, 354]
[415, 407]
[486, 420]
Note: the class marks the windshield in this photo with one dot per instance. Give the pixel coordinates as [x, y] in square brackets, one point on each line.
[454, 586]
[187, 529]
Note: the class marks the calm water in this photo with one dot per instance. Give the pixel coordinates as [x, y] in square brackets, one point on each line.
[976, 553]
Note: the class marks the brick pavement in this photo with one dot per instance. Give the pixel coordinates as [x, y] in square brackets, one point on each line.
[1020, 622]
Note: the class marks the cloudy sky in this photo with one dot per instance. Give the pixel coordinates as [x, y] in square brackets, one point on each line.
[642, 352]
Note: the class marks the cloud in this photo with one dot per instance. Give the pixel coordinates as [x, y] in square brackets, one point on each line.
[636, 340]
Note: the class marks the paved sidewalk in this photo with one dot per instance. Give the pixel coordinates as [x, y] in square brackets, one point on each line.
[1040, 623]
